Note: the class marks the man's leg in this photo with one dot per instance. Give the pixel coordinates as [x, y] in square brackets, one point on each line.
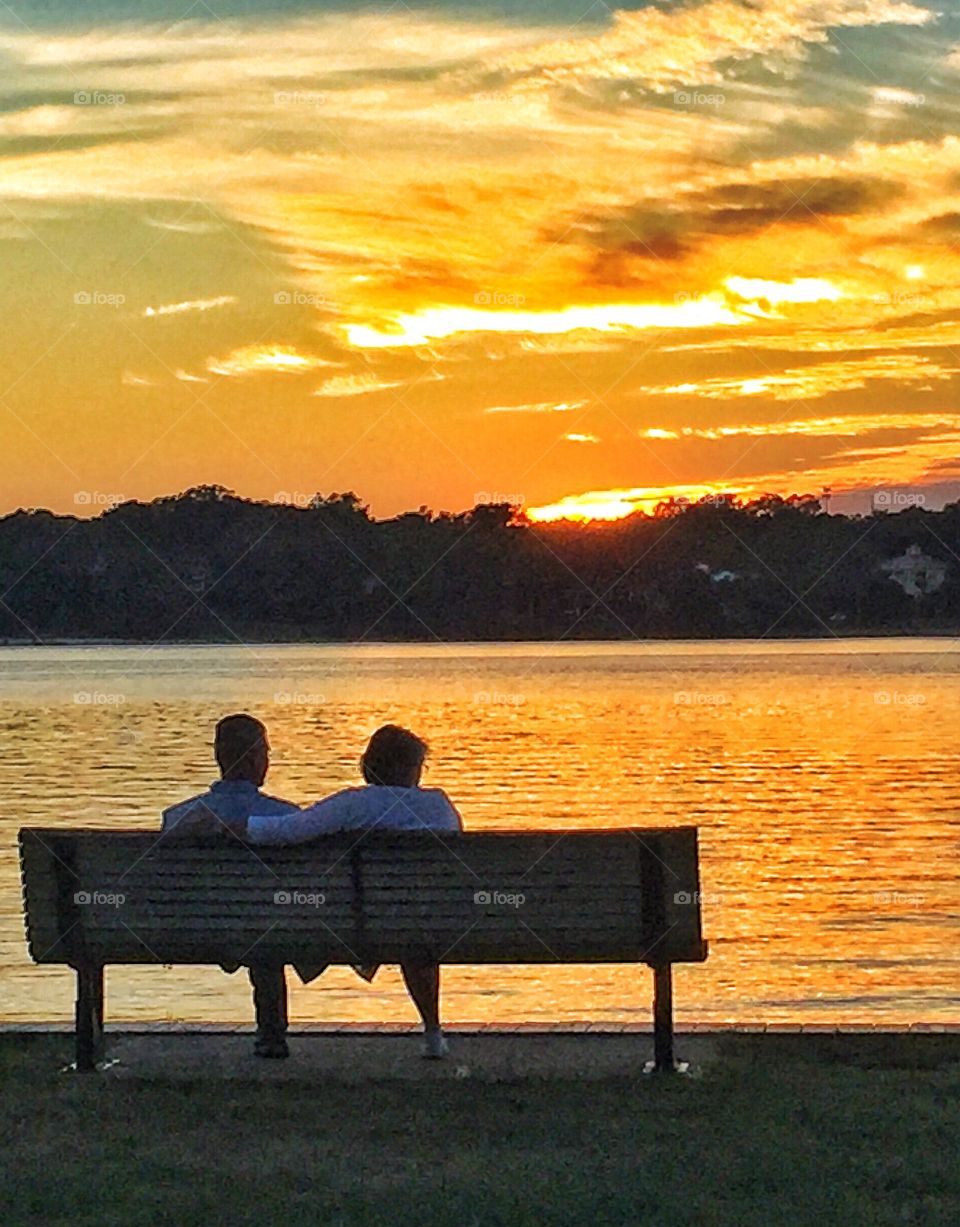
[423, 985]
[270, 1003]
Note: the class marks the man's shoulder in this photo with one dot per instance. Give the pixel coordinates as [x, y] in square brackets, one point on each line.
[228, 807]
[174, 812]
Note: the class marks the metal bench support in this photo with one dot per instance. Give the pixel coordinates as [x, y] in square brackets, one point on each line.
[663, 1060]
[89, 1016]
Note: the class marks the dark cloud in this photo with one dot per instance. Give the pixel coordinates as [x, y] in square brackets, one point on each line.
[19, 146]
[14, 101]
[671, 229]
[619, 270]
[943, 226]
[647, 232]
[794, 200]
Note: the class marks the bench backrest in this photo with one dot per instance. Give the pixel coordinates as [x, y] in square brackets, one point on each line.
[371, 897]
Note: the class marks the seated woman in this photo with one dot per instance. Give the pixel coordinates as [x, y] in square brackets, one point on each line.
[391, 799]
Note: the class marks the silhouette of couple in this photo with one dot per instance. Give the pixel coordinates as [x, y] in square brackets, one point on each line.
[390, 799]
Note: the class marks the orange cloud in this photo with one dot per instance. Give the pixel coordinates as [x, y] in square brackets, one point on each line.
[264, 360]
[812, 382]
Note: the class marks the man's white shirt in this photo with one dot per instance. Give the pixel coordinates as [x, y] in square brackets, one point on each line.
[372, 806]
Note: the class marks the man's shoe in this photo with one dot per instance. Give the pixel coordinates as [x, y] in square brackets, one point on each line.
[272, 1049]
[435, 1046]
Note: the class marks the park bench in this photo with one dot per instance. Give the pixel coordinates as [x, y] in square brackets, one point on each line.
[94, 897]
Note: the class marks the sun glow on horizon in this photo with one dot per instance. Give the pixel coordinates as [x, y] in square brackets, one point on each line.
[618, 504]
[433, 324]
[743, 300]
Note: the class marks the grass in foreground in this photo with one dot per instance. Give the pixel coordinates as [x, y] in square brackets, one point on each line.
[855, 1132]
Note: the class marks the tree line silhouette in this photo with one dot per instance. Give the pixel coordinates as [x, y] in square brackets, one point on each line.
[208, 565]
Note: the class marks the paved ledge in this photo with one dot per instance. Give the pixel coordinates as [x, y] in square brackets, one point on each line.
[361, 1054]
[498, 1028]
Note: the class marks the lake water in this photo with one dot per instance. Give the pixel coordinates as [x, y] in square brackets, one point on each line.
[824, 777]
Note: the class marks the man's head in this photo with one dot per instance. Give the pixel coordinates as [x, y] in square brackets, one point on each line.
[394, 756]
[242, 750]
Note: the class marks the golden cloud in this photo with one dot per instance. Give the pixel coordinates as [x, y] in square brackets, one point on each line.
[664, 48]
[265, 360]
[812, 382]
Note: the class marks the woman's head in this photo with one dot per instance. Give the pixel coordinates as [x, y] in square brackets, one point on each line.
[394, 756]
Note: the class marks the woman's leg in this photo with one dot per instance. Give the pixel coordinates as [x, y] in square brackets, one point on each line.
[423, 985]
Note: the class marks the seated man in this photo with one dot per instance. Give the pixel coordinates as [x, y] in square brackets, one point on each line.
[391, 800]
[243, 755]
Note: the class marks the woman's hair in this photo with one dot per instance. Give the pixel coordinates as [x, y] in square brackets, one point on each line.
[392, 756]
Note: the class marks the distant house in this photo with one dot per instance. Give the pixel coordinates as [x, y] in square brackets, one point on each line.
[916, 572]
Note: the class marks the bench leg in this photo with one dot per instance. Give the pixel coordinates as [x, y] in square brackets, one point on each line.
[663, 1019]
[89, 1017]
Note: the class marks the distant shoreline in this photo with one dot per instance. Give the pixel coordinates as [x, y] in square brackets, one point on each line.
[773, 569]
[267, 641]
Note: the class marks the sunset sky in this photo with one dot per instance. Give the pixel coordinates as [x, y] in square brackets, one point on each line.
[562, 253]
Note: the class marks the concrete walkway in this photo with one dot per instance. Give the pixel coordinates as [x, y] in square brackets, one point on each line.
[354, 1052]
[366, 1057]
